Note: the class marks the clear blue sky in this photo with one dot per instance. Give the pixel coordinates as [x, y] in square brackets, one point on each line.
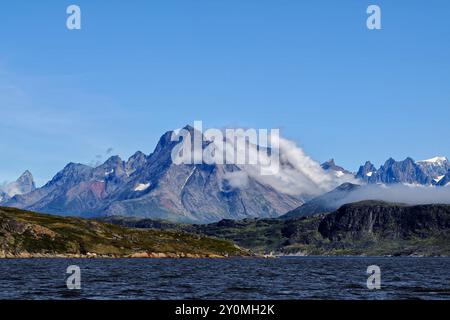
[140, 68]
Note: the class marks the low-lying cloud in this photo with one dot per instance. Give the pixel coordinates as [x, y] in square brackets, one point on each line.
[298, 173]
[400, 193]
[10, 188]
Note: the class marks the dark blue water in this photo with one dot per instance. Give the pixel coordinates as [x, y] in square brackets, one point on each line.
[283, 278]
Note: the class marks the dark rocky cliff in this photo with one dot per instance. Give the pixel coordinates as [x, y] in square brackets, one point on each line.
[382, 220]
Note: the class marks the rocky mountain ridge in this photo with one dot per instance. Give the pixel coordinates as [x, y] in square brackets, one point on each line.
[426, 172]
[153, 186]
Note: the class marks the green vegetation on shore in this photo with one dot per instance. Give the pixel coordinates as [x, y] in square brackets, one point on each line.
[29, 234]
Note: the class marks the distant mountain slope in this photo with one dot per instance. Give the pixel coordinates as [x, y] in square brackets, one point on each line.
[322, 204]
[26, 234]
[153, 186]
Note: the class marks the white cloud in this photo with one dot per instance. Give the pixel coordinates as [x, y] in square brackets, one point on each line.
[400, 193]
[10, 188]
[298, 173]
[237, 179]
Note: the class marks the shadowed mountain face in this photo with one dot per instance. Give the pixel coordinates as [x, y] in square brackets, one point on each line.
[444, 180]
[153, 186]
[382, 220]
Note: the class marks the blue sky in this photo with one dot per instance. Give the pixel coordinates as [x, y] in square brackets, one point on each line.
[140, 68]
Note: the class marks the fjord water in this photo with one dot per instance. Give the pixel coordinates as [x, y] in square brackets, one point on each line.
[247, 278]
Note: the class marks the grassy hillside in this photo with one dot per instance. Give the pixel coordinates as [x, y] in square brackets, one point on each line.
[28, 234]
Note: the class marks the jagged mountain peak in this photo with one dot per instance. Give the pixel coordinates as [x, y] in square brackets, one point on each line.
[72, 173]
[26, 174]
[26, 177]
[368, 166]
[113, 167]
[392, 161]
[165, 142]
[366, 171]
[137, 155]
[135, 162]
[113, 160]
[331, 165]
[74, 166]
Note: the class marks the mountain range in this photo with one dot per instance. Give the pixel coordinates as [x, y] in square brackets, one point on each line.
[153, 186]
[434, 171]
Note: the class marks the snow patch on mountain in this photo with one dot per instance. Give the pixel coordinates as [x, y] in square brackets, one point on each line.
[142, 187]
[188, 177]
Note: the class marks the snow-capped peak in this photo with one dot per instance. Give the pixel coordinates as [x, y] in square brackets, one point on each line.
[435, 160]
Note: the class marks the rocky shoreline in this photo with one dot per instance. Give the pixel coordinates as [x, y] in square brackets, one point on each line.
[89, 255]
